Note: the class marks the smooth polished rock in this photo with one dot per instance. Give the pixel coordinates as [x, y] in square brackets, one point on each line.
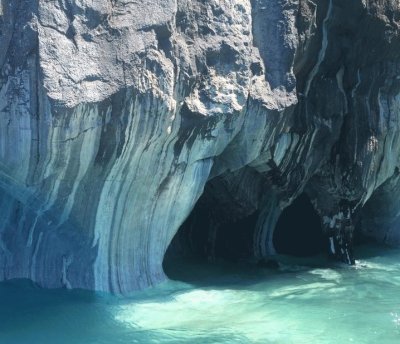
[114, 115]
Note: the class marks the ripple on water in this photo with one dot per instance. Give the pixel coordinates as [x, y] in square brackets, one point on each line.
[295, 305]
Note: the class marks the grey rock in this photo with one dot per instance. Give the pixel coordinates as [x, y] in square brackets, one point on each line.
[116, 115]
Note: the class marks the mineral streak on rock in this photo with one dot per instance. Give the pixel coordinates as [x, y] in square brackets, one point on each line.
[115, 114]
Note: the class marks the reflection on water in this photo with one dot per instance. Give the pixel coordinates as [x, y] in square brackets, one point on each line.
[299, 303]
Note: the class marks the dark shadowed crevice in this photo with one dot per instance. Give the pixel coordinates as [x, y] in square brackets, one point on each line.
[219, 229]
[205, 235]
[298, 231]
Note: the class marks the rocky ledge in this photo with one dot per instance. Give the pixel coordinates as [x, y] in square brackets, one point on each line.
[116, 116]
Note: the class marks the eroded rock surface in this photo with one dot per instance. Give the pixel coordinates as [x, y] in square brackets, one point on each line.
[115, 114]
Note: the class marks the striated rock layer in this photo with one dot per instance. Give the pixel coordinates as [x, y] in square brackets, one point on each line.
[115, 114]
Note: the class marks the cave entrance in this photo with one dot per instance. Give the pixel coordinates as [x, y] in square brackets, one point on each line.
[298, 231]
[219, 231]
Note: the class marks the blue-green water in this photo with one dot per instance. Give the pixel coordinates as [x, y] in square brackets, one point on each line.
[299, 303]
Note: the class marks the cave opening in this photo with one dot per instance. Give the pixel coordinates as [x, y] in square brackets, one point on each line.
[218, 231]
[221, 231]
[298, 231]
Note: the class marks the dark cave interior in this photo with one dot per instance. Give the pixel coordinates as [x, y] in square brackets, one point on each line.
[210, 234]
[215, 231]
[298, 231]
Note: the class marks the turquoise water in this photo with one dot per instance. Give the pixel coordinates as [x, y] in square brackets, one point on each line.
[303, 302]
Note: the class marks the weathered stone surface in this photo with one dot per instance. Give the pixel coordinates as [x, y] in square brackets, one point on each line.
[114, 114]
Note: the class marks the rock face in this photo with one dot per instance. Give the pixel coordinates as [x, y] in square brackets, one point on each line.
[116, 115]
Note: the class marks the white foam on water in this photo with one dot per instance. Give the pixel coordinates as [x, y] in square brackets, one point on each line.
[327, 274]
[237, 312]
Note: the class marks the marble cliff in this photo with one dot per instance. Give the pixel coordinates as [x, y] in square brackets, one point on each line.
[116, 116]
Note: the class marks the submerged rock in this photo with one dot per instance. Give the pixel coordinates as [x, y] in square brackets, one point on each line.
[114, 115]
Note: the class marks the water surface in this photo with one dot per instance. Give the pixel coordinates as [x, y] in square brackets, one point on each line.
[304, 301]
